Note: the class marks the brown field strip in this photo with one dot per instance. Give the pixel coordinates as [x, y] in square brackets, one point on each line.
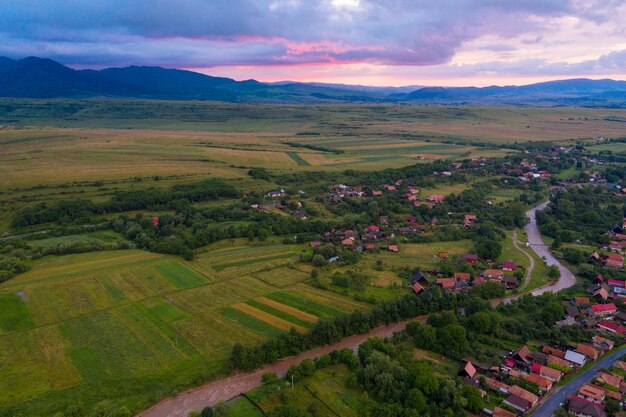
[267, 318]
[289, 310]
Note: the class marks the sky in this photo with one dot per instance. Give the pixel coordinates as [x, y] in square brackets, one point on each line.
[368, 42]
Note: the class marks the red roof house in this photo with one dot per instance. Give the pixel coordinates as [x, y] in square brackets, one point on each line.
[602, 309]
[509, 266]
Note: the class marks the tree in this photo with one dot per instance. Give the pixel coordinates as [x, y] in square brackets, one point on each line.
[318, 260]
[452, 340]
[488, 249]
[554, 272]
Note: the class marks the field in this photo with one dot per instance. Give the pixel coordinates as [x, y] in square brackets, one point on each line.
[113, 318]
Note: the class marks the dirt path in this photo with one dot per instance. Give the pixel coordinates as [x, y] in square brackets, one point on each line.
[225, 389]
[531, 267]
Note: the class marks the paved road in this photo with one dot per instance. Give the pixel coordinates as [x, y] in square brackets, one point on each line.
[547, 408]
[225, 389]
[537, 244]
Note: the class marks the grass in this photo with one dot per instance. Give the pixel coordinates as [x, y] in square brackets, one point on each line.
[306, 305]
[179, 275]
[298, 159]
[242, 407]
[280, 314]
[15, 314]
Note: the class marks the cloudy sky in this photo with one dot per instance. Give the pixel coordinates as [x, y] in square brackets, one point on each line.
[372, 42]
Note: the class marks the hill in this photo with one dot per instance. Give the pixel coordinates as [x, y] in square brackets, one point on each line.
[44, 78]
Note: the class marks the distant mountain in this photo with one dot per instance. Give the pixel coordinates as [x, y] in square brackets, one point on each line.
[580, 91]
[44, 78]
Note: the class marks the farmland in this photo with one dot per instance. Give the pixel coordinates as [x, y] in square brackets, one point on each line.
[81, 320]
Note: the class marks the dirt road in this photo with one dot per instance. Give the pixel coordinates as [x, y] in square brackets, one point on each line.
[225, 389]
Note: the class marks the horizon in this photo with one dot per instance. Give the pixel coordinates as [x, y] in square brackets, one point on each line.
[356, 84]
[363, 42]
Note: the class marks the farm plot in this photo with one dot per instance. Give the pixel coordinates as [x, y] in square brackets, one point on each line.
[282, 277]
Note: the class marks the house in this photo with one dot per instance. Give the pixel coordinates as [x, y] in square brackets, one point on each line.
[522, 355]
[446, 283]
[463, 276]
[601, 310]
[316, 244]
[501, 412]
[588, 350]
[549, 350]
[576, 358]
[469, 220]
[614, 261]
[470, 258]
[616, 283]
[521, 392]
[417, 288]
[509, 266]
[419, 278]
[468, 370]
[620, 365]
[369, 246]
[601, 293]
[347, 242]
[582, 408]
[377, 193]
[598, 279]
[602, 343]
[478, 281]
[568, 321]
[393, 248]
[436, 198]
[582, 301]
[554, 360]
[517, 403]
[299, 215]
[493, 274]
[443, 255]
[610, 379]
[611, 327]
[620, 316]
[547, 372]
[572, 311]
[276, 193]
[510, 282]
[390, 187]
[544, 384]
[591, 393]
[383, 220]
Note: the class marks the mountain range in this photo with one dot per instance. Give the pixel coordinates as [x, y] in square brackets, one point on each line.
[44, 78]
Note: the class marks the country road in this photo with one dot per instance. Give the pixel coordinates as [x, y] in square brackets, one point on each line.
[547, 408]
[225, 389]
[531, 265]
[537, 244]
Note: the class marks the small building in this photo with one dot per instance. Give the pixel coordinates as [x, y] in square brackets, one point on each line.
[588, 350]
[276, 193]
[602, 343]
[591, 393]
[601, 310]
[419, 278]
[446, 283]
[493, 274]
[316, 244]
[463, 276]
[468, 370]
[436, 198]
[509, 266]
[582, 301]
[582, 408]
[517, 403]
[417, 288]
[576, 358]
[470, 258]
[347, 242]
[521, 392]
[393, 248]
[501, 412]
[549, 350]
[547, 372]
[610, 379]
[611, 327]
[544, 384]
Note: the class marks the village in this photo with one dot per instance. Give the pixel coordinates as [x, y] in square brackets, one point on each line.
[525, 376]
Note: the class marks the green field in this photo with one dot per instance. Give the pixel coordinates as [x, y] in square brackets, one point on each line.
[109, 319]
